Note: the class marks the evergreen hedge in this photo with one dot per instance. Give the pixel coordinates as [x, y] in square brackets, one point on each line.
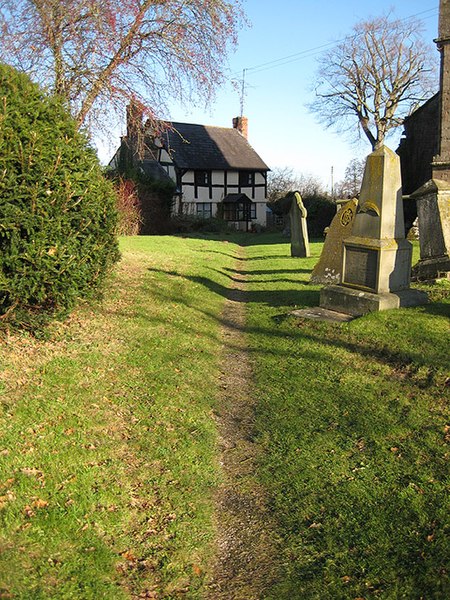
[57, 212]
[321, 211]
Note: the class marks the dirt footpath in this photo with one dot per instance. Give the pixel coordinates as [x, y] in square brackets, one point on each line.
[246, 557]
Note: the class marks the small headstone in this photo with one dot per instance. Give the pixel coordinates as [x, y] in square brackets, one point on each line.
[376, 263]
[292, 205]
[299, 229]
[329, 268]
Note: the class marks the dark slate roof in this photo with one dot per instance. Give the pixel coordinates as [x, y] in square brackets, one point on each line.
[207, 147]
[153, 169]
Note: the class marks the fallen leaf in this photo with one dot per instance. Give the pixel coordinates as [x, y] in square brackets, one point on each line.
[128, 555]
[29, 512]
[31, 472]
[39, 503]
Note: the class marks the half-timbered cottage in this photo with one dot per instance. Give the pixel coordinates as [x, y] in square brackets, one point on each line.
[216, 171]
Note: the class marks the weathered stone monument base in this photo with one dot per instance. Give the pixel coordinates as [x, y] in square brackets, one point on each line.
[431, 269]
[376, 265]
[317, 313]
[433, 210]
[358, 302]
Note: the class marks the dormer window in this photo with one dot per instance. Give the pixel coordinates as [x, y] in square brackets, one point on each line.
[246, 178]
[202, 178]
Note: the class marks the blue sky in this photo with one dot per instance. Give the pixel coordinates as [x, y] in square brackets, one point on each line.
[281, 129]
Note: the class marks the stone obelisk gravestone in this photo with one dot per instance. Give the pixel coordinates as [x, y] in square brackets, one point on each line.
[329, 268]
[433, 199]
[299, 229]
[377, 258]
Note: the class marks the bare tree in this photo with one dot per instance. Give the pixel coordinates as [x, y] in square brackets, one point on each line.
[282, 180]
[98, 54]
[350, 186]
[379, 74]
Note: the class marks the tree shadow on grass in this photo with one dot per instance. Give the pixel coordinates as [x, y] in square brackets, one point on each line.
[299, 294]
[267, 271]
[275, 298]
[403, 363]
[246, 259]
[437, 308]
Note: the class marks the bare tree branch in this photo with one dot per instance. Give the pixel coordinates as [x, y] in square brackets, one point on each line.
[98, 54]
[378, 75]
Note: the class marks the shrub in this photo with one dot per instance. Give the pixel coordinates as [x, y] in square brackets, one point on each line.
[128, 207]
[320, 208]
[194, 224]
[156, 201]
[57, 212]
[154, 196]
[321, 211]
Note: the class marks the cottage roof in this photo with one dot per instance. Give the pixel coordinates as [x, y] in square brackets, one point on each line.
[207, 147]
[153, 169]
[235, 198]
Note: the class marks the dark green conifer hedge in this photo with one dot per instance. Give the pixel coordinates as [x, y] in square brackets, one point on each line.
[57, 212]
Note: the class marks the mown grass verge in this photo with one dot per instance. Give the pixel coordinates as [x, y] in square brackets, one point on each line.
[108, 451]
[353, 420]
[108, 458]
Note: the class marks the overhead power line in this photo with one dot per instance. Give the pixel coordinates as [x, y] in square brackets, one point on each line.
[285, 60]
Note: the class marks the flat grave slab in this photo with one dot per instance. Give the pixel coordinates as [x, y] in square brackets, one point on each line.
[318, 313]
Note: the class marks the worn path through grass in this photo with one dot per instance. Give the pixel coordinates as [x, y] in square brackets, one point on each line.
[246, 559]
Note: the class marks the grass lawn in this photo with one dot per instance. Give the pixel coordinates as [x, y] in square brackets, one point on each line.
[108, 455]
[108, 450]
[354, 423]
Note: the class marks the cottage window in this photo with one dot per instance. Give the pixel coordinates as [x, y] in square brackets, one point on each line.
[202, 178]
[241, 211]
[246, 178]
[204, 210]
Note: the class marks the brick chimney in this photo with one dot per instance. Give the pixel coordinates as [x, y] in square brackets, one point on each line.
[241, 124]
[135, 132]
